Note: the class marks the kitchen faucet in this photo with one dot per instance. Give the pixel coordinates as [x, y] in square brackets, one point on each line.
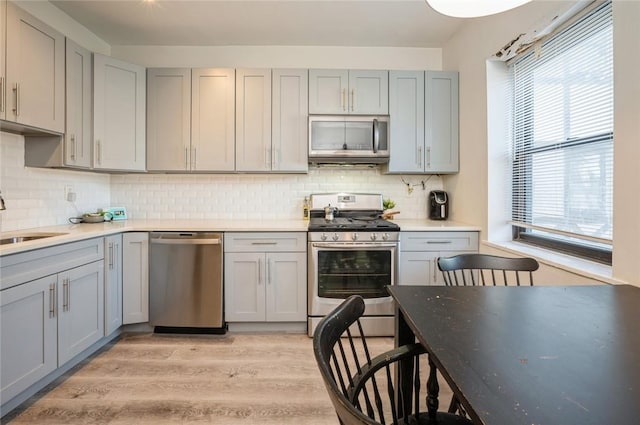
[2, 206]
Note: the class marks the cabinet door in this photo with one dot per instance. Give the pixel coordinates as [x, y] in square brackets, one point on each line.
[369, 92]
[119, 114]
[328, 91]
[135, 277]
[3, 70]
[441, 122]
[289, 134]
[81, 309]
[112, 284]
[244, 287]
[35, 71]
[421, 267]
[406, 115]
[77, 147]
[168, 119]
[286, 275]
[253, 120]
[28, 335]
[213, 119]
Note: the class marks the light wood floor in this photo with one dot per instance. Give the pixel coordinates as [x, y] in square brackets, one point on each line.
[169, 379]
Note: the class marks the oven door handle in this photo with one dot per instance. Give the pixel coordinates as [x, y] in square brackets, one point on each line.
[353, 245]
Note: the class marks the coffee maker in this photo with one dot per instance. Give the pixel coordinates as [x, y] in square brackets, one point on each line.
[438, 205]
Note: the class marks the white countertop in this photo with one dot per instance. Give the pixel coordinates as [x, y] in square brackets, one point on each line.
[76, 232]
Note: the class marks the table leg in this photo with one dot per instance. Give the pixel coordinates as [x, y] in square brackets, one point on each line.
[433, 388]
[404, 372]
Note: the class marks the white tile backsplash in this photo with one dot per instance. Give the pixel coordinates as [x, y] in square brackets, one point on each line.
[35, 196]
[252, 196]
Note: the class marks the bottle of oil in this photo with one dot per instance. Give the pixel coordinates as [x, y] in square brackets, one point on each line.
[305, 208]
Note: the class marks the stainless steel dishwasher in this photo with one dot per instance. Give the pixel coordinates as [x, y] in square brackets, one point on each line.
[185, 271]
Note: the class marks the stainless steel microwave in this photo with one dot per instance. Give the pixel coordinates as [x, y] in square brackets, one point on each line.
[348, 139]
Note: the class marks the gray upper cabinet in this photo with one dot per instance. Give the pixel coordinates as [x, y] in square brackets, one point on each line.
[33, 87]
[190, 119]
[424, 122]
[360, 92]
[213, 119]
[289, 115]
[169, 119]
[119, 134]
[441, 122]
[253, 120]
[77, 143]
[406, 115]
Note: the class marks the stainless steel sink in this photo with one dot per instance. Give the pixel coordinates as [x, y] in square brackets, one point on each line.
[27, 237]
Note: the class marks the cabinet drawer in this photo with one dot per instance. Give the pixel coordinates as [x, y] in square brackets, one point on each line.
[438, 241]
[265, 242]
[27, 266]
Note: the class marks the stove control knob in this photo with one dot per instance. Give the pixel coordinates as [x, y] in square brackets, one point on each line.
[385, 236]
[335, 237]
[374, 236]
[323, 236]
[354, 236]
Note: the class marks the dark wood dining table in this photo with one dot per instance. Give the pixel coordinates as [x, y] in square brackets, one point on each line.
[535, 355]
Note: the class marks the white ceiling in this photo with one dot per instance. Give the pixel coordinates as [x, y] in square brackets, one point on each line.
[380, 23]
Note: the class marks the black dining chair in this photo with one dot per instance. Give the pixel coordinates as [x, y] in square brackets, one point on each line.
[361, 387]
[483, 269]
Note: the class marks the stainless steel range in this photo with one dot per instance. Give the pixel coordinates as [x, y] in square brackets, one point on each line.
[352, 250]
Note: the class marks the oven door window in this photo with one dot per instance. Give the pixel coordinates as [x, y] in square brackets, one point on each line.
[342, 273]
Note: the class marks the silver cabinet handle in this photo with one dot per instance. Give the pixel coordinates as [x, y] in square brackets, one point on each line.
[259, 272]
[429, 157]
[264, 243]
[65, 295]
[98, 152]
[52, 300]
[16, 92]
[2, 94]
[194, 160]
[72, 139]
[115, 255]
[435, 266]
[343, 99]
[439, 242]
[111, 255]
[353, 99]
[268, 272]
[186, 156]
[419, 156]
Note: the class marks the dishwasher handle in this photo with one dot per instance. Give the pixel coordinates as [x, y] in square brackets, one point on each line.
[194, 241]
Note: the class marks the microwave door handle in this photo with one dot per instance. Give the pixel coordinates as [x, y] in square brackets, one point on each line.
[376, 136]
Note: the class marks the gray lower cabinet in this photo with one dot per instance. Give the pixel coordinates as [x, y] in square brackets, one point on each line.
[47, 321]
[112, 283]
[28, 343]
[419, 252]
[265, 277]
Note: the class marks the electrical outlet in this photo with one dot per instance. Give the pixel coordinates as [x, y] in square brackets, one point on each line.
[69, 194]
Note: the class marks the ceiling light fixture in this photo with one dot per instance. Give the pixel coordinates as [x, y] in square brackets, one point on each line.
[473, 8]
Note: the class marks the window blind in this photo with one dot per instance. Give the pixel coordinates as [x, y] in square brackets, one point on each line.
[562, 115]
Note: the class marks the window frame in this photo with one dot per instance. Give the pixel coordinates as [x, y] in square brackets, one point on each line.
[521, 166]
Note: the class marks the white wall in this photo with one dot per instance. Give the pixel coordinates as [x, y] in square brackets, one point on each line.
[468, 52]
[402, 58]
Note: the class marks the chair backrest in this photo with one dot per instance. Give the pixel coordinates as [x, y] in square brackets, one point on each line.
[482, 269]
[361, 386]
